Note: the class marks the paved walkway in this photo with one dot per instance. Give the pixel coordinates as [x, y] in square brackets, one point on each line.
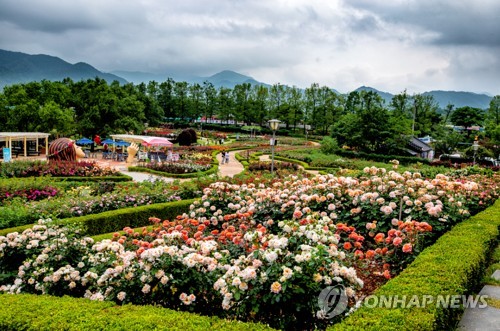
[267, 158]
[486, 318]
[136, 176]
[230, 169]
[233, 167]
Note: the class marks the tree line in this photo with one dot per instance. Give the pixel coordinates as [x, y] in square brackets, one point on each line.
[360, 119]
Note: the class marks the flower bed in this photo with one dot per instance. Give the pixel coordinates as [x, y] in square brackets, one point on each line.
[93, 199]
[27, 189]
[255, 252]
[177, 167]
[266, 166]
[454, 266]
[54, 168]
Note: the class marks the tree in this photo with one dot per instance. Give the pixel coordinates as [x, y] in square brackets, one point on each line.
[311, 105]
[493, 114]
[448, 111]
[225, 103]
[185, 138]
[210, 94]
[467, 116]
[260, 101]
[276, 100]
[241, 94]
[55, 120]
[492, 120]
[180, 99]
[369, 126]
[149, 97]
[425, 115]
[447, 140]
[196, 102]
[166, 98]
[296, 106]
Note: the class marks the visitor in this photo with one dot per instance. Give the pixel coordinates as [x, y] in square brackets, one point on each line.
[223, 157]
[227, 157]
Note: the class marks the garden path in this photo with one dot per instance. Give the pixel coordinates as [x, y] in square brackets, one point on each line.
[487, 318]
[233, 167]
[267, 158]
[230, 169]
[136, 176]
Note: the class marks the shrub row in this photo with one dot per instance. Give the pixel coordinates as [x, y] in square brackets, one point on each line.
[116, 178]
[454, 265]
[42, 312]
[382, 157]
[210, 171]
[116, 220]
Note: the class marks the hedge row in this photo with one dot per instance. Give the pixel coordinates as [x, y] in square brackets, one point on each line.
[212, 170]
[454, 265]
[42, 312]
[116, 220]
[382, 157]
[116, 178]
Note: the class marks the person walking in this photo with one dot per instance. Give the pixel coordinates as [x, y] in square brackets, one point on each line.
[227, 157]
[223, 157]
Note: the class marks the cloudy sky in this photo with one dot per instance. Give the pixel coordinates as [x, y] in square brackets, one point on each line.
[417, 45]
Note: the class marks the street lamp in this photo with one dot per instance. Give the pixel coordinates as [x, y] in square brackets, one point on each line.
[475, 146]
[274, 125]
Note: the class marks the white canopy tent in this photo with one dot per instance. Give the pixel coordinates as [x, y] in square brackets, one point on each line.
[143, 140]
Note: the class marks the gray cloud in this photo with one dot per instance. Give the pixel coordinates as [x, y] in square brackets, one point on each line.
[390, 45]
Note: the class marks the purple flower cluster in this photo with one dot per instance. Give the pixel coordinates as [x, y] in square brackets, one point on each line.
[32, 194]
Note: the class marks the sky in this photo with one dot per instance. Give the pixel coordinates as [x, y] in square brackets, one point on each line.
[391, 45]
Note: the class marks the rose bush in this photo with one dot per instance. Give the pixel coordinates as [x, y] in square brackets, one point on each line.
[258, 251]
[54, 168]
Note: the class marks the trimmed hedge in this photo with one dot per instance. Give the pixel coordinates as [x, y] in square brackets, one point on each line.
[117, 178]
[382, 157]
[43, 312]
[454, 265]
[212, 170]
[116, 220]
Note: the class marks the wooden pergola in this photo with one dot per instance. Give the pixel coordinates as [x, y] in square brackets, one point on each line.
[9, 137]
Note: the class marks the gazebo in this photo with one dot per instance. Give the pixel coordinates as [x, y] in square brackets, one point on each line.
[24, 137]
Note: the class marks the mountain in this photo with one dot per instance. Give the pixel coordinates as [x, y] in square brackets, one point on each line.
[386, 96]
[443, 98]
[230, 79]
[460, 99]
[226, 78]
[17, 67]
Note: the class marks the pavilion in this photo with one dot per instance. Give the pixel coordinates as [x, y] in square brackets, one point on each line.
[25, 138]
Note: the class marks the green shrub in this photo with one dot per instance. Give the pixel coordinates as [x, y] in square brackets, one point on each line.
[210, 171]
[116, 220]
[382, 157]
[454, 265]
[42, 312]
[329, 145]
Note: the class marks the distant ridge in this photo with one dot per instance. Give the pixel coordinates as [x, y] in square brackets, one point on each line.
[443, 98]
[17, 67]
[460, 99]
[230, 79]
[386, 96]
[225, 78]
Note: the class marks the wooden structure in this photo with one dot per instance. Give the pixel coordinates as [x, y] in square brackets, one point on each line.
[29, 142]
